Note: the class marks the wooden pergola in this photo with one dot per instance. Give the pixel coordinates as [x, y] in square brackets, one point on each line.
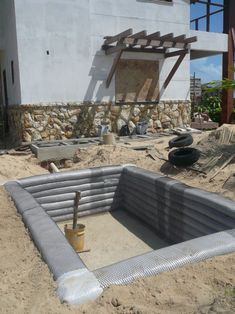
[150, 43]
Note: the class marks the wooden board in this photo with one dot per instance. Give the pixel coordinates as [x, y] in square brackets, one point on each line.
[137, 81]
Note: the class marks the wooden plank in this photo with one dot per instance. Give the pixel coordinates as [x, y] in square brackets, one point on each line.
[138, 35]
[190, 40]
[224, 164]
[112, 39]
[167, 37]
[132, 41]
[114, 49]
[174, 69]
[155, 35]
[208, 125]
[181, 45]
[179, 39]
[176, 53]
[148, 50]
[168, 44]
[113, 68]
[141, 34]
[142, 42]
[233, 36]
[155, 154]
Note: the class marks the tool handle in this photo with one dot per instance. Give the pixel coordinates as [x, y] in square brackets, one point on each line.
[75, 209]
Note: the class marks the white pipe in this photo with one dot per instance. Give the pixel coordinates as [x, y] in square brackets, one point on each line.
[53, 167]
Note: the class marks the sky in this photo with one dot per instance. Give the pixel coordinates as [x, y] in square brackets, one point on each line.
[210, 68]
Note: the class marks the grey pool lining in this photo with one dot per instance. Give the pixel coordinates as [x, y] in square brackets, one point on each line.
[166, 204]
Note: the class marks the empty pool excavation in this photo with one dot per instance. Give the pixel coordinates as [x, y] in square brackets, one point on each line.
[138, 223]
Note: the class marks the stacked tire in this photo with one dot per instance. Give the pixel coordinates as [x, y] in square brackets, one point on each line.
[183, 156]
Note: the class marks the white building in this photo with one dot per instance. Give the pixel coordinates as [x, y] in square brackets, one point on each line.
[54, 71]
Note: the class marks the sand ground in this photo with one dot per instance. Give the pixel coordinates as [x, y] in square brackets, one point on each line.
[26, 285]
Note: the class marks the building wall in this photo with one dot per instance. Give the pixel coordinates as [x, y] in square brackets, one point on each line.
[60, 121]
[72, 32]
[8, 49]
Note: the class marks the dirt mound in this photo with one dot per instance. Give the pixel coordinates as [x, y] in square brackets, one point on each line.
[15, 167]
[224, 135]
[106, 155]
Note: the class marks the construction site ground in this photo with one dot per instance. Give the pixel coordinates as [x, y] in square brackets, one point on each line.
[27, 286]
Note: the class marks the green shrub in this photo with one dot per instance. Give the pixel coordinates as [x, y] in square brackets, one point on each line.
[212, 106]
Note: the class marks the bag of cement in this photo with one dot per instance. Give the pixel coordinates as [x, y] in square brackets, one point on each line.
[141, 127]
[102, 129]
[125, 131]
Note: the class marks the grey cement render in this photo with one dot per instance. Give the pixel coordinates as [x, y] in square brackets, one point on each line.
[197, 224]
[60, 149]
[72, 31]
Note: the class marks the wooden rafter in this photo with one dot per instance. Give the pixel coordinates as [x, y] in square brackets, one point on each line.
[112, 39]
[155, 35]
[139, 35]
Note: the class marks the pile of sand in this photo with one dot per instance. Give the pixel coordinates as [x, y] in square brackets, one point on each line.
[14, 167]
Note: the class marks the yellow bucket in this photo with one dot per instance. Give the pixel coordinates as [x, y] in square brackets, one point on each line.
[75, 236]
[109, 139]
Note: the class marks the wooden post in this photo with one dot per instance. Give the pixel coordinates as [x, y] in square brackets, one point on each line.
[113, 68]
[75, 210]
[228, 60]
[174, 69]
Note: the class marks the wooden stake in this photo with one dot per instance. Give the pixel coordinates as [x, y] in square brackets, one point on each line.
[75, 210]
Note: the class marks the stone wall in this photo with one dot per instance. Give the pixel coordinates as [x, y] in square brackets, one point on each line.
[69, 120]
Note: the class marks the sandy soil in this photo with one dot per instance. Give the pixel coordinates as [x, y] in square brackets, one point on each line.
[26, 285]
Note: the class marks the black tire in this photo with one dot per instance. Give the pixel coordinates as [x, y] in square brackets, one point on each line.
[181, 141]
[183, 157]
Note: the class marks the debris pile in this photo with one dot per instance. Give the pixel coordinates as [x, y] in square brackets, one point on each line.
[217, 150]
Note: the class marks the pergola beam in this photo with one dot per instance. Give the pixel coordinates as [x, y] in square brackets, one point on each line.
[112, 39]
[113, 49]
[153, 40]
[176, 53]
[138, 35]
[113, 68]
[155, 35]
[174, 69]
